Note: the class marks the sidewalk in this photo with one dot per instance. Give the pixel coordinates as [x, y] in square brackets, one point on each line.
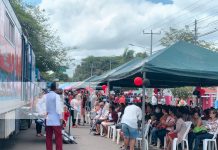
[26, 140]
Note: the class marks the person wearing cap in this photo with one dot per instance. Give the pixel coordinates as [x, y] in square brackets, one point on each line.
[54, 111]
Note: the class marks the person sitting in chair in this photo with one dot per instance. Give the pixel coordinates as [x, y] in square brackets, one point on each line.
[112, 119]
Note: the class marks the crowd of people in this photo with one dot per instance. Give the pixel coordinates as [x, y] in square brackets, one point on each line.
[167, 122]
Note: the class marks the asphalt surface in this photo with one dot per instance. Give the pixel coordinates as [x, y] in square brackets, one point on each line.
[26, 140]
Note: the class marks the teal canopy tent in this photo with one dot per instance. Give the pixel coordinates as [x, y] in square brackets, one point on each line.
[136, 62]
[182, 64]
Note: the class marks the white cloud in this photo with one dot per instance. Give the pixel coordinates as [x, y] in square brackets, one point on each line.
[103, 24]
[106, 27]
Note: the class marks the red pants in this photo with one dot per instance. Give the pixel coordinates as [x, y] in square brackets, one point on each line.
[58, 137]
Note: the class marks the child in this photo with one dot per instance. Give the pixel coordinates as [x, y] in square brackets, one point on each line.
[66, 116]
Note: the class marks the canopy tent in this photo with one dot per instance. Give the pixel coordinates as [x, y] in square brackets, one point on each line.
[86, 83]
[64, 85]
[182, 64]
[105, 76]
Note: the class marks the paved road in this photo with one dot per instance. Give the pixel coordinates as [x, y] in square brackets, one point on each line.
[26, 140]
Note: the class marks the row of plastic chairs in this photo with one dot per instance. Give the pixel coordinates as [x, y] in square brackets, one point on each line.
[112, 131]
[207, 143]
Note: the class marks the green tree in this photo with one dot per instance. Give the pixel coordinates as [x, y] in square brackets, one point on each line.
[102, 64]
[98, 65]
[49, 51]
[174, 35]
[142, 55]
[182, 93]
[128, 55]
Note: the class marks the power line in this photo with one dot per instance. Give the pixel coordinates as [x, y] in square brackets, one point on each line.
[210, 32]
[203, 19]
[185, 15]
[182, 21]
[166, 21]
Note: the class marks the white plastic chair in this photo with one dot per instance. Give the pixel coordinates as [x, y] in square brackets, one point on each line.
[109, 131]
[112, 129]
[184, 139]
[113, 132]
[118, 136]
[147, 126]
[209, 142]
[101, 129]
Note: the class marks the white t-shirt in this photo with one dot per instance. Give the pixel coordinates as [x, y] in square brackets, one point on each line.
[41, 106]
[75, 104]
[131, 116]
[154, 100]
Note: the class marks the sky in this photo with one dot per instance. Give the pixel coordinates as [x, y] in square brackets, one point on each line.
[107, 27]
[33, 2]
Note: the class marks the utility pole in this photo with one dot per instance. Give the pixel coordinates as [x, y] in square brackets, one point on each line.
[196, 32]
[143, 90]
[195, 42]
[151, 33]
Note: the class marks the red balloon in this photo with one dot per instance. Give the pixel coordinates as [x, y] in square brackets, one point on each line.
[202, 91]
[104, 87]
[138, 81]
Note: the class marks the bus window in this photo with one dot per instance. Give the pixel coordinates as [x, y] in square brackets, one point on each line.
[9, 29]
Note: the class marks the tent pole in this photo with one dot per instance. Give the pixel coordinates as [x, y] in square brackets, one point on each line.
[143, 111]
[108, 90]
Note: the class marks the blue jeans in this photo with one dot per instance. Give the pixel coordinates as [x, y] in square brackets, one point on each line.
[201, 137]
[191, 137]
[129, 132]
[154, 135]
[161, 134]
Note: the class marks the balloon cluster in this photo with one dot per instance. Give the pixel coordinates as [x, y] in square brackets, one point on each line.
[199, 92]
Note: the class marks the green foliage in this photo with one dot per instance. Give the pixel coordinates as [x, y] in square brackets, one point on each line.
[182, 93]
[56, 75]
[174, 35]
[99, 65]
[49, 51]
[142, 55]
[128, 55]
